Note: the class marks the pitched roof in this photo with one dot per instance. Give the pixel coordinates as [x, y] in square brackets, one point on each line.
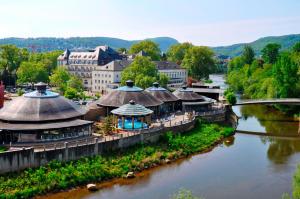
[167, 65]
[132, 109]
[161, 93]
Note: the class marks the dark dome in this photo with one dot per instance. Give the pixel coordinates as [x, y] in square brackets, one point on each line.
[161, 93]
[186, 94]
[40, 105]
[123, 95]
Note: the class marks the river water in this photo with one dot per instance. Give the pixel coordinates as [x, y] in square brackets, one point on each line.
[249, 166]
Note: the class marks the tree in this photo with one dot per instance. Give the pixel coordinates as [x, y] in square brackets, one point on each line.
[177, 52]
[75, 82]
[32, 72]
[270, 53]
[71, 93]
[296, 47]
[286, 77]
[199, 61]
[122, 50]
[10, 59]
[149, 47]
[142, 71]
[60, 78]
[48, 58]
[108, 125]
[231, 98]
[163, 80]
[248, 54]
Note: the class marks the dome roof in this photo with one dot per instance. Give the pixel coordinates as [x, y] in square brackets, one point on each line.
[132, 109]
[123, 95]
[39, 106]
[161, 93]
[186, 94]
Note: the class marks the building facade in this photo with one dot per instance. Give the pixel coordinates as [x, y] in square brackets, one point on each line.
[82, 64]
[100, 69]
[108, 76]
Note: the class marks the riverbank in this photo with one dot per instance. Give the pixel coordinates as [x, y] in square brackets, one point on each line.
[58, 176]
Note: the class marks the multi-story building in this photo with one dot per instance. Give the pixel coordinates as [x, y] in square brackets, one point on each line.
[108, 76]
[177, 75]
[100, 69]
[83, 63]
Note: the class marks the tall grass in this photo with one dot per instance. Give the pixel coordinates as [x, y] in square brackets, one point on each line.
[59, 176]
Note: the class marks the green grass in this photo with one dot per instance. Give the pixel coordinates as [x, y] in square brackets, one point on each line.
[3, 149]
[59, 176]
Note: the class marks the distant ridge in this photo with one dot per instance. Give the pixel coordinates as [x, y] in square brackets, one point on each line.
[286, 42]
[41, 44]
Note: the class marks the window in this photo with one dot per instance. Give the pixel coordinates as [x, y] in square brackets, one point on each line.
[86, 82]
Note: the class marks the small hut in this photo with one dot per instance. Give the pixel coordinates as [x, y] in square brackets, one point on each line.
[171, 102]
[132, 116]
[41, 116]
[192, 101]
[122, 95]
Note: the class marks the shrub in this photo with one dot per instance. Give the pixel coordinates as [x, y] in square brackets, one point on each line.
[231, 98]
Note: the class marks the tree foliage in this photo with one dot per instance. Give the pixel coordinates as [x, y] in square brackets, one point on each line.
[267, 80]
[199, 62]
[142, 71]
[248, 54]
[60, 78]
[270, 53]
[177, 52]
[149, 47]
[32, 72]
[284, 71]
[11, 58]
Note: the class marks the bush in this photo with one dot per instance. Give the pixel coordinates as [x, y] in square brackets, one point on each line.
[71, 93]
[20, 92]
[57, 175]
[231, 98]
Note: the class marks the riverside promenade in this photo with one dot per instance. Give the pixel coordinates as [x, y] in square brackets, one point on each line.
[37, 155]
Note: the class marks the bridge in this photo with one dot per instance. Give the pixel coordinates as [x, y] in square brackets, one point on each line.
[286, 101]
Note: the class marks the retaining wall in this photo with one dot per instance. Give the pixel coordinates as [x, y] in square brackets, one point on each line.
[12, 161]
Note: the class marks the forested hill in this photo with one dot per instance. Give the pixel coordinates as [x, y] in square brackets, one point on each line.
[43, 44]
[286, 42]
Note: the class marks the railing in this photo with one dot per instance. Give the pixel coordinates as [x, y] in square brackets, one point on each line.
[212, 112]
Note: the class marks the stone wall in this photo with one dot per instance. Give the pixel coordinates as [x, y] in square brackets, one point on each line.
[27, 158]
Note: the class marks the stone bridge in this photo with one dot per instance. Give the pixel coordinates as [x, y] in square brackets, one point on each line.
[286, 101]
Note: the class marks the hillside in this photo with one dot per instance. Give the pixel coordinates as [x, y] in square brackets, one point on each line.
[42, 44]
[286, 42]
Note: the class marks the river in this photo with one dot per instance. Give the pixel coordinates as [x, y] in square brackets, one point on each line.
[250, 166]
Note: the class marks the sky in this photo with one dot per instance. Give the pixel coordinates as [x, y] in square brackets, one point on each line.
[202, 22]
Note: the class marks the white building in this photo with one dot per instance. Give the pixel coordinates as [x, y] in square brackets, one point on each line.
[177, 75]
[108, 76]
[100, 69]
[82, 64]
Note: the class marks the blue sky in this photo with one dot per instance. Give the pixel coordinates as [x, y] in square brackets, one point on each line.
[202, 22]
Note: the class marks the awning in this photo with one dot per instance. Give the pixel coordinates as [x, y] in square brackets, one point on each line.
[42, 126]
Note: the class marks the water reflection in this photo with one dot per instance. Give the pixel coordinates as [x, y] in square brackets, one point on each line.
[272, 122]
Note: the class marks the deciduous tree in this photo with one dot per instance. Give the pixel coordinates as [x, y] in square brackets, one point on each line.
[199, 61]
[177, 52]
[149, 47]
[32, 72]
[142, 71]
[248, 54]
[270, 53]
